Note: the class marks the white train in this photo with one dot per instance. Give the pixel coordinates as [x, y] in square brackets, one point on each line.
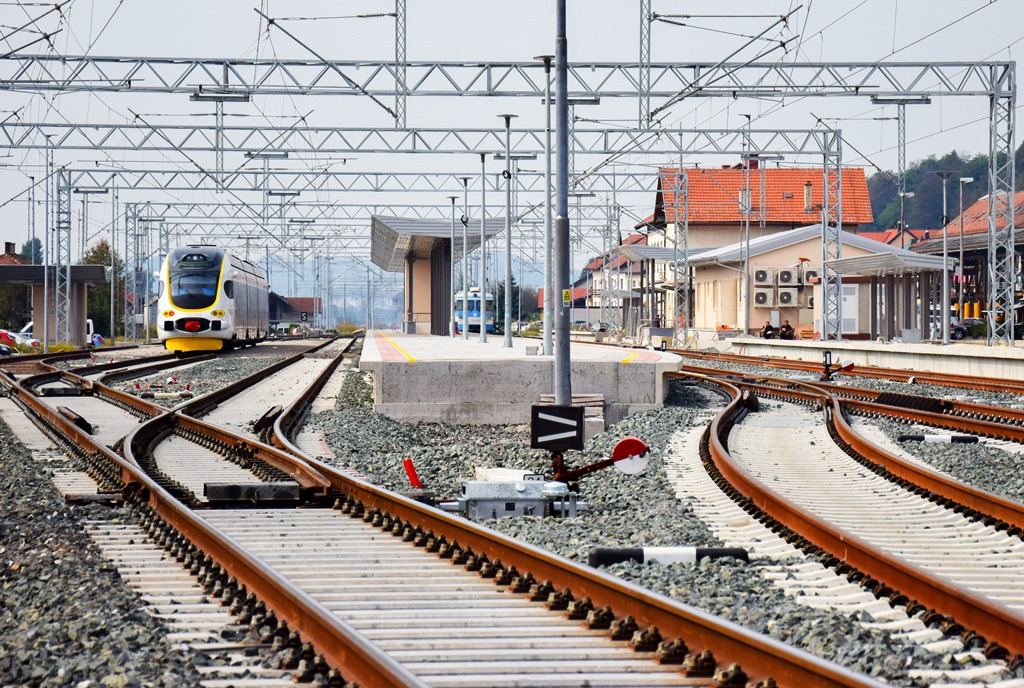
[470, 317]
[210, 300]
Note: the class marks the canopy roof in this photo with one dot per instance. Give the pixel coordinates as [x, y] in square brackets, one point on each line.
[887, 264]
[393, 239]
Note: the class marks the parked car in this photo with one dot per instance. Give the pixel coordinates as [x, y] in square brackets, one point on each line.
[5, 350]
[7, 339]
[22, 339]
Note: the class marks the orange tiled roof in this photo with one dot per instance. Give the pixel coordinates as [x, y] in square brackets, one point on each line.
[714, 195]
[976, 216]
[891, 235]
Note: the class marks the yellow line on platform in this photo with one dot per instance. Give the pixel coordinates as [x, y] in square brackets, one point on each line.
[403, 351]
[629, 358]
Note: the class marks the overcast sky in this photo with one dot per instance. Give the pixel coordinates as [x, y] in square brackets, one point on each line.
[488, 30]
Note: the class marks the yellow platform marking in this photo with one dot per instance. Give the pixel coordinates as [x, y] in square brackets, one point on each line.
[629, 358]
[400, 349]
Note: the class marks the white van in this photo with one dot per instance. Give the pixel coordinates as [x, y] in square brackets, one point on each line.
[91, 338]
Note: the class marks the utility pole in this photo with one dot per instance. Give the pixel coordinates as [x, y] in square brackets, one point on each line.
[944, 175]
[960, 263]
[465, 258]
[549, 298]
[483, 248]
[507, 344]
[451, 273]
[563, 369]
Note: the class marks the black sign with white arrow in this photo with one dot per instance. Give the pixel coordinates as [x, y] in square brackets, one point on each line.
[556, 427]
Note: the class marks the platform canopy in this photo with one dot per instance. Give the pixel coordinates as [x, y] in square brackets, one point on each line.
[658, 254]
[881, 264]
[394, 239]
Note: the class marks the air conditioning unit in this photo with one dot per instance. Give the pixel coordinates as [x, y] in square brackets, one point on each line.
[810, 274]
[810, 301]
[788, 296]
[787, 277]
[764, 297]
[764, 277]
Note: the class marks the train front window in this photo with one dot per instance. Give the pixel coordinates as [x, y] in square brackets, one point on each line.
[194, 276]
[193, 290]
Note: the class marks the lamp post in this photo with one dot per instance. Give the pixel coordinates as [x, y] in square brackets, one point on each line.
[549, 298]
[507, 344]
[465, 257]
[483, 248]
[944, 175]
[451, 272]
[960, 263]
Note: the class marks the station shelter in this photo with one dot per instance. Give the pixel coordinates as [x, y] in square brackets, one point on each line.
[43, 310]
[885, 289]
[967, 237]
[423, 250]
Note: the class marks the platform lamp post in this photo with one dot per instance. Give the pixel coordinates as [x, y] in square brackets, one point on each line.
[451, 277]
[549, 297]
[465, 258]
[507, 174]
[944, 175]
[960, 262]
[483, 248]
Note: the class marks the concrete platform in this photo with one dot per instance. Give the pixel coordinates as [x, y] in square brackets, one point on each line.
[441, 379]
[968, 357]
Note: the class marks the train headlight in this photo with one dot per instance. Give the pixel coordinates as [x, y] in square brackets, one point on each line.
[168, 314]
[217, 314]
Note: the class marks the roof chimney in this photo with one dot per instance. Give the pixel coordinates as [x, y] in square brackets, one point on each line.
[9, 248]
[807, 198]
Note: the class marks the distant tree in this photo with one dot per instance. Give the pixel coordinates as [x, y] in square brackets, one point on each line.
[98, 303]
[499, 302]
[15, 306]
[34, 250]
[924, 210]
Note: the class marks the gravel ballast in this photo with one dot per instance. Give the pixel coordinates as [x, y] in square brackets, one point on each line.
[624, 511]
[66, 616]
[63, 607]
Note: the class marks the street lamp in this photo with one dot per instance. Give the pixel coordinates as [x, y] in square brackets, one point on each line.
[465, 258]
[508, 231]
[960, 288]
[549, 299]
[945, 175]
[483, 248]
[451, 275]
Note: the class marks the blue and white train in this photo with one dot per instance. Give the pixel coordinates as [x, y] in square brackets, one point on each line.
[211, 300]
[472, 311]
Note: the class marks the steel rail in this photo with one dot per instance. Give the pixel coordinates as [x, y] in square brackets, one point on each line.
[996, 511]
[993, 621]
[895, 374]
[204, 404]
[292, 415]
[977, 419]
[759, 656]
[341, 645]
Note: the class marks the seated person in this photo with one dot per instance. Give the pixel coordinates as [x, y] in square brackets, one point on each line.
[767, 331]
[786, 331]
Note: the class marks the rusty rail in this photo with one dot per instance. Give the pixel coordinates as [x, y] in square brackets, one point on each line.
[941, 379]
[993, 621]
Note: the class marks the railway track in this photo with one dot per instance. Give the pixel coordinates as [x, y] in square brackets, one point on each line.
[621, 629]
[1010, 385]
[906, 533]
